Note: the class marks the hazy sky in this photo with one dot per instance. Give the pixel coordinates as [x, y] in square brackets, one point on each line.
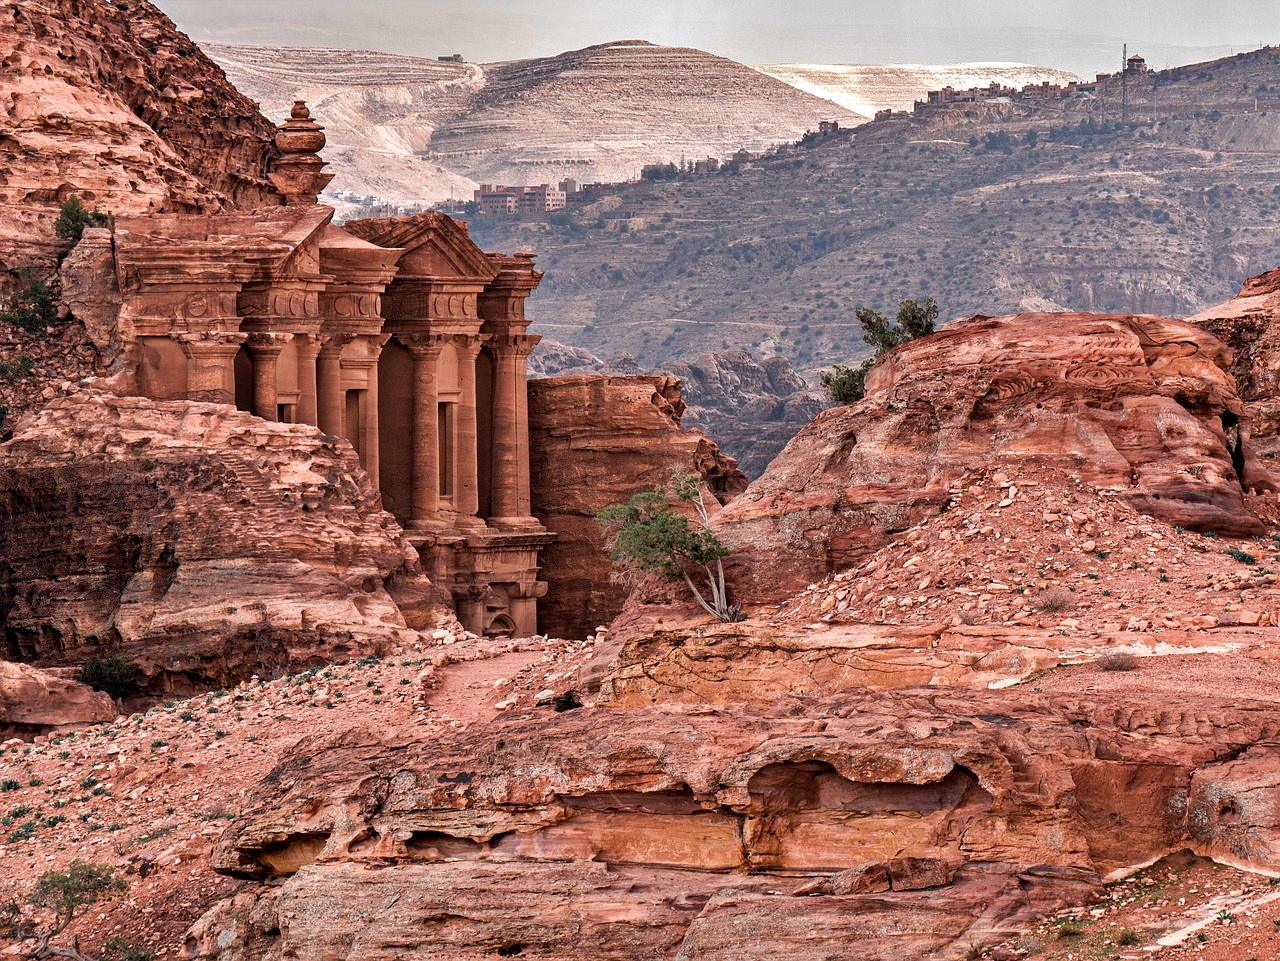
[1079, 35]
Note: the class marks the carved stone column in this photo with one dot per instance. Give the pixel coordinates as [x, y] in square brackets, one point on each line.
[467, 498]
[330, 401]
[470, 603]
[211, 365]
[424, 497]
[510, 436]
[307, 347]
[265, 350]
[372, 451]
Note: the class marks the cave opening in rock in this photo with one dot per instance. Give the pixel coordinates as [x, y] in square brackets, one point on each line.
[1235, 445]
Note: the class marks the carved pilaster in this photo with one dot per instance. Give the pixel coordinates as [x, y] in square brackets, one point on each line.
[510, 489]
[467, 499]
[264, 349]
[329, 382]
[424, 498]
[307, 348]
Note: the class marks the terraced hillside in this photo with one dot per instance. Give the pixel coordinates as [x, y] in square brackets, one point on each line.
[988, 207]
[865, 88]
[408, 130]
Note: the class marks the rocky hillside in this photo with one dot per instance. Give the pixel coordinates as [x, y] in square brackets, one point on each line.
[411, 131]
[865, 88]
[1165, 216]
[111, 102]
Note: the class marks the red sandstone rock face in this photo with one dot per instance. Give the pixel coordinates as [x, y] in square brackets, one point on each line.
[38, 702]
[707, 834]
[595, 441]
[1249, 324]
[205, 543]
[1142, 406]
[109, 101]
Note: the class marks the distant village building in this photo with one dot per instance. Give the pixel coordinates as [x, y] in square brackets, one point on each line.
[827, 127]
[1136, 64]
[451, 58]
[538, 199]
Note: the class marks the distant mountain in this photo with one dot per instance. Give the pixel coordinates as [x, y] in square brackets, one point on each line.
[865, 88]
[990, 206]
[411, 130]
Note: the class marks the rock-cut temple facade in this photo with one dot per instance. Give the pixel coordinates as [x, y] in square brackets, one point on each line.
[398, 334]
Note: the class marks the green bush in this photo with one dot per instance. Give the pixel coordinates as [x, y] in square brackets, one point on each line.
[74, 217]
[114, 674]
[11, 371]
[33, 308]
[847, 385]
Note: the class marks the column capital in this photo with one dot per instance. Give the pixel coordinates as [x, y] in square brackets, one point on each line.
[470, 344]
[266, 344]
[331, 344]
[514, 345]
[209, 343]
[423, 345]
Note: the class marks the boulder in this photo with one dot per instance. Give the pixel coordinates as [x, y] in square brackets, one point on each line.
[202, 542]
[1143, 407]
[36, 702]
[595, 440]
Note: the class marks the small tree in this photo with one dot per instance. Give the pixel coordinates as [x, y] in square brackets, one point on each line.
[648, 534]
[847, 385]
[74, 217]
[62, 894]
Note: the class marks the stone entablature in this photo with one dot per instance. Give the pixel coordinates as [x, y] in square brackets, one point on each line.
[399, 334]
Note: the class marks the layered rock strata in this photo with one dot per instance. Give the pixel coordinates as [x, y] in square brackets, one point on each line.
[36, 702]
[707, 834]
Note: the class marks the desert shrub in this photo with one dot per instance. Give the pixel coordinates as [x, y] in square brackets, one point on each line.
[11, 371]
[33, 308]
[114, 674]
[1070, 928]
[1117, 662]
[74, 217]
[846, 385]
[1244, 557]
[1128, 937]
[1054, 600]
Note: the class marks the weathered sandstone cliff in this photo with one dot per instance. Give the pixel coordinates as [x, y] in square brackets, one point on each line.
[1249, 324]
[596, 440]
[205, 543]
[109, 101]
[1142, 406]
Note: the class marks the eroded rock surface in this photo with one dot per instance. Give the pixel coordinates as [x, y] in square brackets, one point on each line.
[205, 543]
[708, 834]
[595, 441]
[1143, 406]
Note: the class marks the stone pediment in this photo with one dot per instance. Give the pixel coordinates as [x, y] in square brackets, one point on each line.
[436, 246]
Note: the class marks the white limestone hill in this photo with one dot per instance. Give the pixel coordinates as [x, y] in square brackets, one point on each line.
[407, 130]
[866, 88]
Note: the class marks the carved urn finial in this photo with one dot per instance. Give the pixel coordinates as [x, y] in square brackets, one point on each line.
[298, 170]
